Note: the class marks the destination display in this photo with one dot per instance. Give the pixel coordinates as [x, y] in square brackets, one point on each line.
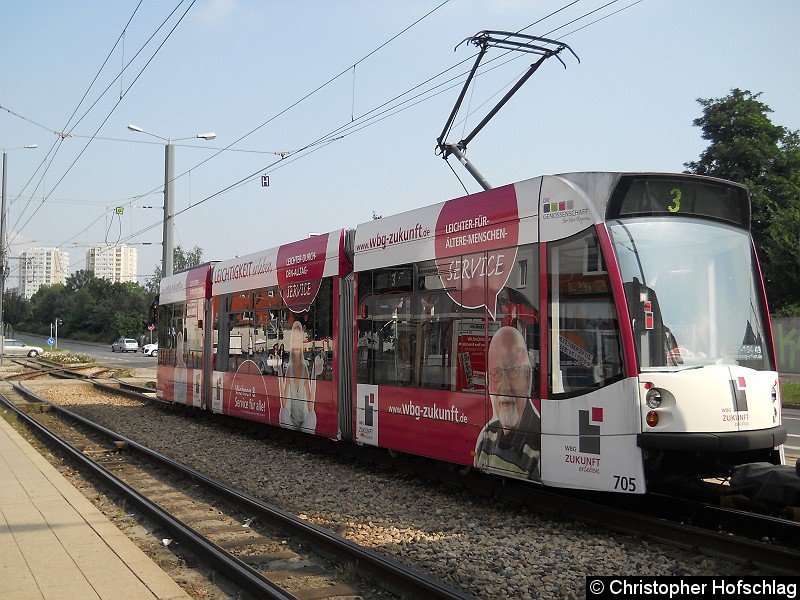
[657, 195]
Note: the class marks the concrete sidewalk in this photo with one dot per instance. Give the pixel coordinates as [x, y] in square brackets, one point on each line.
[54, 544]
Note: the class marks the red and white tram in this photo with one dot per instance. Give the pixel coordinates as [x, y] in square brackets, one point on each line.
[601, 331]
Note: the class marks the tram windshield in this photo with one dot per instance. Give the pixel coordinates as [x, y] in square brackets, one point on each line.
[693, 293]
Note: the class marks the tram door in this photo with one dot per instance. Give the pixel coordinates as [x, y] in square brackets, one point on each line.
[590, 414]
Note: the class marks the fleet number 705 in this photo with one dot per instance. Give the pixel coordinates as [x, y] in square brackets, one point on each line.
[626, 484]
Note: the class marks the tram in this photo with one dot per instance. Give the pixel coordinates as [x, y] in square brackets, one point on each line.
[598, 331]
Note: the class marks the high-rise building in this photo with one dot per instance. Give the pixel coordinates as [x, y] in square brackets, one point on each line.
[41, 266]
[117, 263]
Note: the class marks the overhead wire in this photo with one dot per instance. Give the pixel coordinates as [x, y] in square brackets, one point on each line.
[319, 87]
[62, 134]
[356, 124]
[116, 104]
[296, 102]
[108, 116]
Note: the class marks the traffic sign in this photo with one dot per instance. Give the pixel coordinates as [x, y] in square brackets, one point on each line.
[51, 342]
[151, 327]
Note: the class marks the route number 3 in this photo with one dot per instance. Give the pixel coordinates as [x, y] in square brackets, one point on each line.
[676, 201]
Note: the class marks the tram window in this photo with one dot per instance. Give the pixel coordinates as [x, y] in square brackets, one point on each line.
[267, 330]
[697, 306]
[519, 306]
[386, 340]
[178, 338]
[425, 338]
[170, 318]
[316, 323]
[404, 327]
[585, 346]
[254, 323]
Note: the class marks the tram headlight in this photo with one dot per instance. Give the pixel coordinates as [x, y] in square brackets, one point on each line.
[652, 418]
[653, 398]
[775, 392]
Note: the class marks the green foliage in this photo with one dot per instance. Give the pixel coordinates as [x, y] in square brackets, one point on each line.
[79, 279]
[787, 311]
[16, 310]
[67, 358]
[181, 260]
[748, 148]
[790, 392]
[89, 308]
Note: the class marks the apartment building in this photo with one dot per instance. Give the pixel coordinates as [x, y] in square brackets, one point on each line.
[114, 262]
[41, 266]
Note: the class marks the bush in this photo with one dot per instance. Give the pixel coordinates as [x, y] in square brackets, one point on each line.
[67, 358]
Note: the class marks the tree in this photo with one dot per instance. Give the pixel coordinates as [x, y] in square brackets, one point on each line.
[49, 303]
[89, 308]
[748, 148]
[79, 279]
[181, 260]
[15, 310]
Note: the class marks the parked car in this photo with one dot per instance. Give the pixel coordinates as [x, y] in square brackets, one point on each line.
[17, 348]
[150, 349]
[125, 345]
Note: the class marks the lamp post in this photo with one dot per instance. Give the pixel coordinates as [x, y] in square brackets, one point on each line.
[169, 200]
[3, 247]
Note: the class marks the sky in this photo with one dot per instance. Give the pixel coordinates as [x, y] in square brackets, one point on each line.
[340, 104]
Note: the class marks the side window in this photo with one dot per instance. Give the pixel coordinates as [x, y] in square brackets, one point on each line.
[176, 336]
[386, 336]
[237, 322]
[258, 326]
[436, 315]
[414, 331]
[193, 333]
[313, 327]
[584, 339]
[170, 322]
[405, 327]
[518, 305]
[268, 330]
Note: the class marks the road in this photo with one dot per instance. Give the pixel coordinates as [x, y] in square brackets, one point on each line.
[99, 352]
[791, 418]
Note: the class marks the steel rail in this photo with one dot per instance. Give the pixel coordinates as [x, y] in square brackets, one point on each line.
[216, 556]
[633, 518]
[644, 524]
[391, 574]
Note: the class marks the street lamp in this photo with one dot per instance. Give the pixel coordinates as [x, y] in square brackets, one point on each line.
[3, 247]
[169, 177]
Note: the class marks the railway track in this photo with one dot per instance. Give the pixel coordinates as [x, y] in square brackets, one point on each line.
[771, 544]
[764, 541]
[268, 552]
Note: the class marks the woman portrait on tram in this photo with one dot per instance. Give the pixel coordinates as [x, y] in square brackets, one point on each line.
[298, 386]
